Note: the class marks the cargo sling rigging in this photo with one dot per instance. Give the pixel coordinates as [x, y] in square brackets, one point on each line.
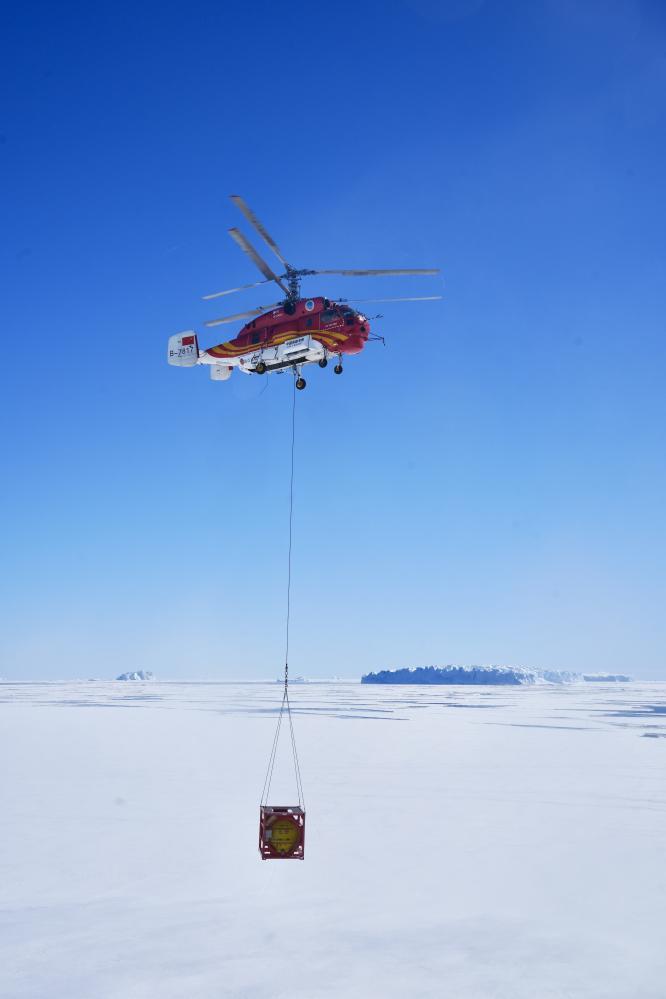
[285, 707]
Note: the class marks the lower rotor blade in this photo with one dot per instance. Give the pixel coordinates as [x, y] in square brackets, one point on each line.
[377, 273]
[242, 315]
[418, 298]
[230, 291]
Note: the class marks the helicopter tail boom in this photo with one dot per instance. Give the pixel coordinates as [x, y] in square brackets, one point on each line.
[183, 349]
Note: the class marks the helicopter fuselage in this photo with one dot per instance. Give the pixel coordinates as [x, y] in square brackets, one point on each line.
[300, 332]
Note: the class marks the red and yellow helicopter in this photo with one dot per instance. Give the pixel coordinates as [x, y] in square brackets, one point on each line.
[290, 334]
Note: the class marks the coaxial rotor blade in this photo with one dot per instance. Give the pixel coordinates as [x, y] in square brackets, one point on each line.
[230, 291]
[410, 298]
[259, 262]
[418, 298]
[243, 315]
[243, 206]
[376, 273]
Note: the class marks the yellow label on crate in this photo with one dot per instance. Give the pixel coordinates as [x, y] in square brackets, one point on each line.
[284, 835]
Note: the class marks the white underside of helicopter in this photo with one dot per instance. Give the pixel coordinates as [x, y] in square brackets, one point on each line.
[302, 350]
[294, 353]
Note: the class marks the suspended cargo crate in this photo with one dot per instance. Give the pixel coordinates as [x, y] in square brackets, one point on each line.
[281, 832]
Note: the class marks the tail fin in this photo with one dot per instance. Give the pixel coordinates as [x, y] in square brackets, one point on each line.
[183, 349]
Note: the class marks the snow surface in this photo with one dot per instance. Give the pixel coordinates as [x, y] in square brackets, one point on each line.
[471, 843]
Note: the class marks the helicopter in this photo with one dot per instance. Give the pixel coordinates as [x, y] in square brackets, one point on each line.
[292, 332]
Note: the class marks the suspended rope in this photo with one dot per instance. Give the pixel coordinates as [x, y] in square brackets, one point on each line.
[285, 705]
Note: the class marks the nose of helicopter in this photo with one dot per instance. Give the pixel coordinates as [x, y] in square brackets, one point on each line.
[355, 343]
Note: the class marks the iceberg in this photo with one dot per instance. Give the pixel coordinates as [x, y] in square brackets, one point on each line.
[139, 674]
[506, 675]
[607, 678]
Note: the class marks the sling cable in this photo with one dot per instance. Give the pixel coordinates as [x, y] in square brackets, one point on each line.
[282, 827]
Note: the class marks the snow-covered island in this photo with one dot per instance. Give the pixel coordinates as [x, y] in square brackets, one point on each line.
[139, 674]
[607, 678]
[509, 675]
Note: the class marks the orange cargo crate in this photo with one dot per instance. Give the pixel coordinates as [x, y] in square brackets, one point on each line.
[281, 832]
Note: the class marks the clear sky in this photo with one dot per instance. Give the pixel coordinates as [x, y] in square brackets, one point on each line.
[490, 487]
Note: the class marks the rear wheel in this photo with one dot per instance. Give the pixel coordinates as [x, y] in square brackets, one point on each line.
[323, 362]
[338, 369]
[261, 368]
[300, 383]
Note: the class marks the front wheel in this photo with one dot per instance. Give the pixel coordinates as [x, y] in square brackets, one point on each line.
[338, 369]
[300, 383]
[261, 368]
[323, 362]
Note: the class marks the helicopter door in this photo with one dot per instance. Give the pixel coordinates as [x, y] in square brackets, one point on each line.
[258, 339]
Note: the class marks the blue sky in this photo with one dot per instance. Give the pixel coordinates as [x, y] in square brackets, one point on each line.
[489, 487]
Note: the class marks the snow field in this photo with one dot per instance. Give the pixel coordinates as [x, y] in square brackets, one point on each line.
[462, 842]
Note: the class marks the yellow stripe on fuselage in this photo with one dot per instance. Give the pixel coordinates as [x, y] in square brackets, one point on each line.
[230, 349]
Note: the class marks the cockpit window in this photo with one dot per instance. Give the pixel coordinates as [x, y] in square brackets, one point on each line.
[328, 315]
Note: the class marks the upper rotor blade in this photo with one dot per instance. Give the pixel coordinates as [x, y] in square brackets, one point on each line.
[247, 247]
[230, 291]
[418, 298]
[375, 273]
[254, 221]
[242, 315]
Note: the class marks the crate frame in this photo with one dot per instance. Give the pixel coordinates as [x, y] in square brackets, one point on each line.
[268, 815]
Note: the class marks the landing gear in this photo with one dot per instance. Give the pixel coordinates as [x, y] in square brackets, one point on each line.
[323, 362]
[300, 382]
[338, 369]
[260, 368]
